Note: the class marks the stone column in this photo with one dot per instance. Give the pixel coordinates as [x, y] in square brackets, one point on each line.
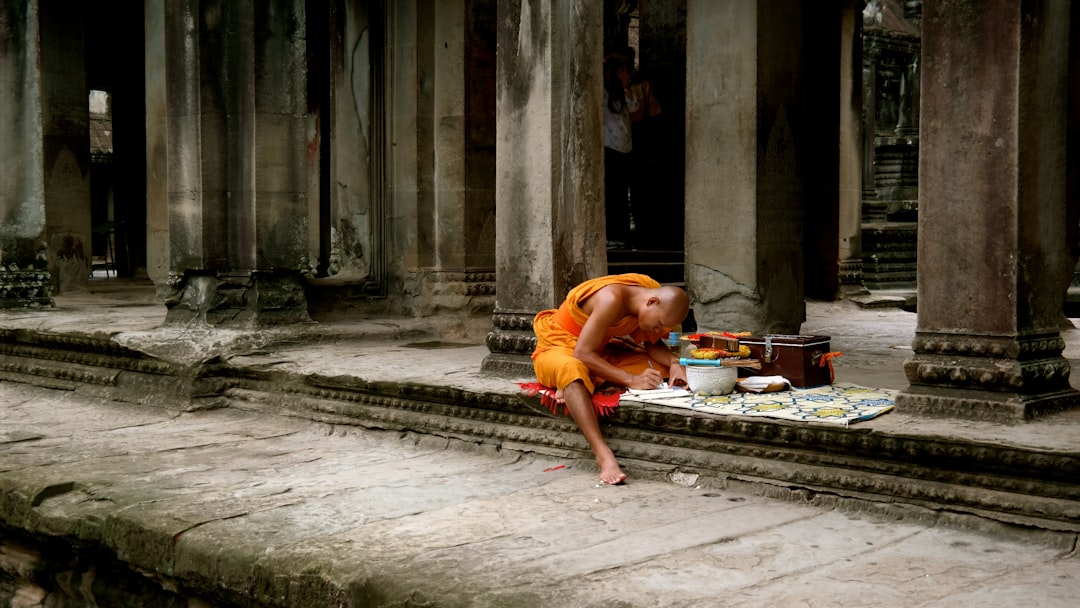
[748, 140]
[851, 151]
[549, 231]
[1073, 170]
[45, 169]
[908, 121]
[24, 269]
[869, 118]
[45, 235]
[157, 182]
[65, 120]
[449, 261]
[992, 251]
[237, 169]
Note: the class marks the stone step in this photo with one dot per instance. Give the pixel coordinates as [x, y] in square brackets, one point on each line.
[109, 504]
[908, 464]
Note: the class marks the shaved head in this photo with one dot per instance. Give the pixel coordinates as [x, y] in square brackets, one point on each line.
[674, 300]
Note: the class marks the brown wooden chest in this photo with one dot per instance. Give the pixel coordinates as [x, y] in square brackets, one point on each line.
[800, 359]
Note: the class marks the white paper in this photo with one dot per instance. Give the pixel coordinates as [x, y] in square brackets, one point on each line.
[658, 393]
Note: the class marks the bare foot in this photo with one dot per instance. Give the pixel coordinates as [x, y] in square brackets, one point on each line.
[579, 402]
[611, 474]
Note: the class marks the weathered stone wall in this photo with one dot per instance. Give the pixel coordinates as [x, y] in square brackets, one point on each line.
[890, 96]
[355, 131]
[849, 218]
[444, 215]
[407, 211]
[481, 22]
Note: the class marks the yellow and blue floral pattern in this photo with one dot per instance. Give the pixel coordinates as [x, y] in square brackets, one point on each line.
[837, 403]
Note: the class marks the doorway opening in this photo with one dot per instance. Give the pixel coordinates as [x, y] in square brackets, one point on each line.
[116, 82]
[646, 234]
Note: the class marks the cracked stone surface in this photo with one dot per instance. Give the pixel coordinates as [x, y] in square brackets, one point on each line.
[285, 512]
[242, 508]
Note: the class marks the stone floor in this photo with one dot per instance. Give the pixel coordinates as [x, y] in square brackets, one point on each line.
[239, 508]
[874, 342]
[235, 508]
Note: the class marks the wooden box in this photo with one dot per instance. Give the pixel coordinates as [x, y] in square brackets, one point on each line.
[797, 358]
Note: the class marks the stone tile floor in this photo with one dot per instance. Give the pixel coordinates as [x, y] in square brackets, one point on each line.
[417, 520]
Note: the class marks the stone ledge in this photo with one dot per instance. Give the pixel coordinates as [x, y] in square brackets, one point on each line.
[180, 548]
[1035, 487]
[1030, 488]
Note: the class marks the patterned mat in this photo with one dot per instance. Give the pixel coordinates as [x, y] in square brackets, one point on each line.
[838, 403]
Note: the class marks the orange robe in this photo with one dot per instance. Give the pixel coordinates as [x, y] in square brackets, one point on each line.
[557, 332]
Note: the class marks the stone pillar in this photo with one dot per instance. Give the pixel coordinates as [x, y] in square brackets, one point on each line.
[908, 121]
[748, 140]
[992, 251]
[450, 262]
[24, 269]
[237, 178]
[65, 119]
[869, 119]
[157, 182]
[549, 167]
[1073, 143]
[851, 150]
[45, 235]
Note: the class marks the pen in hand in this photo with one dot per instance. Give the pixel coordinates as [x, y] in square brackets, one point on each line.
[662, 383]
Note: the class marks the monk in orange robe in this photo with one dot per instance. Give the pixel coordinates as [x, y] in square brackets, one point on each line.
[609, 329]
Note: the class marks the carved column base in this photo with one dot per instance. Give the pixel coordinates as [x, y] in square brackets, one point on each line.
[511, 344]
[1004, 379]
[25, 279]
[239, 299]
[851, 278]
[25, 289]
[938, 402]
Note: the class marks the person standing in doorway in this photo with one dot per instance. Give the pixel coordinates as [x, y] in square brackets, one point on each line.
[646, 145]
[618, 143]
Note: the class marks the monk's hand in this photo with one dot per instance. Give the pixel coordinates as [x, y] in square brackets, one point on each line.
[647, 379]
[677, 373]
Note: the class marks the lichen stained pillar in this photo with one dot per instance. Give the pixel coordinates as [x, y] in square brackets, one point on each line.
[44, 153]
[24, 270]
[237, 161]
[993, 260]
[65, 120]
[549, 167]
[157, 183]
